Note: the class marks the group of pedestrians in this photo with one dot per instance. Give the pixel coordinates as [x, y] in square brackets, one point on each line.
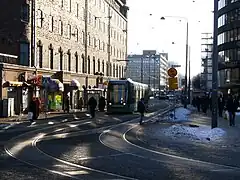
[230, 105]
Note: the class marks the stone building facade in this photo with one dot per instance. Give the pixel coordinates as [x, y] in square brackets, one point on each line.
[79, 39]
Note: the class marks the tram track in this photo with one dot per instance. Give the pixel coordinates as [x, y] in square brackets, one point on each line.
[25, 141]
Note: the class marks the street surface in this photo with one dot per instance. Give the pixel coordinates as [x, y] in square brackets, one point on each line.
[113, 147]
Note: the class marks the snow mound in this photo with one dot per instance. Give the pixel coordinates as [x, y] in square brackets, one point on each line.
[203, 133]
[181, 114]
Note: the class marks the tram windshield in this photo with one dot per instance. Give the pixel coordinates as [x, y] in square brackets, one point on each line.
[117, 94]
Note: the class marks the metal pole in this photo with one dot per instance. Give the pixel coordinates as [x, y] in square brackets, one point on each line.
[186, 69]
[149, 70]
[189, 76]
[159, 86]
[215, 68]
[154, 72]
[141, 69]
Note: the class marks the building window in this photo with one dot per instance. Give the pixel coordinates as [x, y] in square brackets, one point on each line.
[51, 21]
[99, 44]
[89, 40]
[69, 5]
[98, 65]
[69, 60]
[69, 31]
[76, 34]
[39, 18]
[60, 27]
[89, 65]
[77, 10]
[76, 60]
[61, 3]
[103, 46]
[119, 73]
[95, 42]
[107, 69]
[110, 69]
[24, 54]
[51, 56]
[114, 70]
[94, 65]
[61, 58]
[103, 67]
[25, 12]
[40, 54]
[83, 64]
[83, 37]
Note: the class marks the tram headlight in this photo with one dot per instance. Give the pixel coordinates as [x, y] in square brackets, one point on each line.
[124, 104]
[110, 104]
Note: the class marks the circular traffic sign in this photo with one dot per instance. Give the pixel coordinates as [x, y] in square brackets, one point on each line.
[172, 72]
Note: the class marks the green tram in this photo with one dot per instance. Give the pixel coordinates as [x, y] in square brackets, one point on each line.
[123, 95]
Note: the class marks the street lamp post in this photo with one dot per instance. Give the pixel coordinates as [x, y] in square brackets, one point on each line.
[186, 62]
[215, 68]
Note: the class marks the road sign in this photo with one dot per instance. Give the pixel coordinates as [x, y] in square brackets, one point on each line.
[173, 83]
[172, 72]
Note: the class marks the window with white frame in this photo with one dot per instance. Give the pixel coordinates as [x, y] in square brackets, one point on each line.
[69, 5]
[61, 3]
[83, 37]
[77, 9]
[51, 23]
[69, 31]
[60, 27]
[39, 18]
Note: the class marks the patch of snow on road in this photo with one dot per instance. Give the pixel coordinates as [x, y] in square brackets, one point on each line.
[181, 114]
[203, 133]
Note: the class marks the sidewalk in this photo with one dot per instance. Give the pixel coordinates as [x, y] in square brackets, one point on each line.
[42, 116]
[194, 138]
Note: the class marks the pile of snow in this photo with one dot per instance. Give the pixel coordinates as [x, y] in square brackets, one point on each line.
[203, 133]
[181, 114]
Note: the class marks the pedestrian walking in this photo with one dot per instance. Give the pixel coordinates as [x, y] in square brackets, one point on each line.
[198, 103]
[92, 103]
[32, 111]
[102, 104]
[67, 104]
[141, 109]
[221, 105]
[232, 106]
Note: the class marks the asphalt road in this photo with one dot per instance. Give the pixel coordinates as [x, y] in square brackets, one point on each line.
[104, 149]
[32, 163]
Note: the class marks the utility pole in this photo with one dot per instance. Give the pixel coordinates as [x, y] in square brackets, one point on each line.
[141, 69]
[159, 85]
[215, 68]
[186, 69]
[189, 76]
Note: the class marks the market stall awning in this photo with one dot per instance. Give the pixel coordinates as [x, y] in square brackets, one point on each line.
[75, 83]
[53, 84]
[15, 84]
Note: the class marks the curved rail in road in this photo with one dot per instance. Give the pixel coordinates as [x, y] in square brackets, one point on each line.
[24, 148]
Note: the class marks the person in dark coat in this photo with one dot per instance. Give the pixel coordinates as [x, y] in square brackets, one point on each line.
[32, 109]
[102, 104]
[232, 106]
[92, 103]
[198, 103]
[67, 104]
[141, 109]
[221, 104]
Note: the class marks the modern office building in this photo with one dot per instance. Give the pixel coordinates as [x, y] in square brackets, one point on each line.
[206, 53]
[229, 45]
[73, 44]
[148, 68]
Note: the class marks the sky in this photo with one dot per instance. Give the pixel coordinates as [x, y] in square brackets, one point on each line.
[147, 31]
